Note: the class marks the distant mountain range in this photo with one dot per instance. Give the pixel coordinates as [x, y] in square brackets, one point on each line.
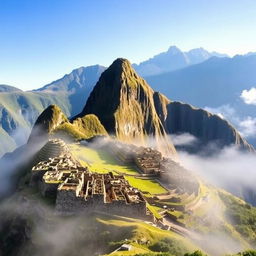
[173, 59]
[19, 110]
[215, 81]
[76, 86]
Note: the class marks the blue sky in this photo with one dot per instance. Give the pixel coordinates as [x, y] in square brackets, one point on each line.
[41, 40]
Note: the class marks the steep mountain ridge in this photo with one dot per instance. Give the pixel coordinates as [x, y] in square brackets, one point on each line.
[46, 123]
[179, 118]
[207, 127]
[53, 121]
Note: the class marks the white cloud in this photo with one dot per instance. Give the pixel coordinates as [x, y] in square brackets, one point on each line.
[229, 168]
[224, 111]
[248, 127]
[184, 139]
[245, 125]
[249, 96]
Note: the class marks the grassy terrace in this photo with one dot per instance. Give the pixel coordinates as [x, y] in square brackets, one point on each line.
[139, 231]
[101, 161]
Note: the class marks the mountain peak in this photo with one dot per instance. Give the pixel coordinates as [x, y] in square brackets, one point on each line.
[121, 61]
[8, 88]
[48, 120]
[124, 104]
[174, 50]
[120, 65]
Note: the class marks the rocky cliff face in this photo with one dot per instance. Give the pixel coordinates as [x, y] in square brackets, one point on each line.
[179, 118]
[124, 103]
[208, 128]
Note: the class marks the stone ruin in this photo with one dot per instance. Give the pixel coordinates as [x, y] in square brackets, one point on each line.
[146, 159]
[150, 162]
[53, 148]
[178, 177]
[76, 189]
[106, 193]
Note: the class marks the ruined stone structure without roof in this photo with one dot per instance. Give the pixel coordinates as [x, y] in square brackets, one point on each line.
[107, 193]
[147, 159]
[151, 162]
[78, 190]
[53, 148]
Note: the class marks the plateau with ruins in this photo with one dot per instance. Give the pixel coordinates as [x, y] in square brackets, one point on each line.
[76, 188]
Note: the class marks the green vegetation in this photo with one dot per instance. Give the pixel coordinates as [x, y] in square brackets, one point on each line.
[171, 246]
[154, 210]
[82, 128]
[241, 215]
[195, 253]
[101, 161]
[246, 253]
[148, 237]
[151, 186]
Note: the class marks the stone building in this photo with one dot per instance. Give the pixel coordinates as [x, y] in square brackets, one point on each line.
[77, 190]
[178, 177]
[53, 148]
[151, 163]
[106, 193]
[148, 160]
[145, 158]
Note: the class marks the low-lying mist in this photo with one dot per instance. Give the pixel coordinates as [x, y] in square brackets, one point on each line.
[228, 168]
